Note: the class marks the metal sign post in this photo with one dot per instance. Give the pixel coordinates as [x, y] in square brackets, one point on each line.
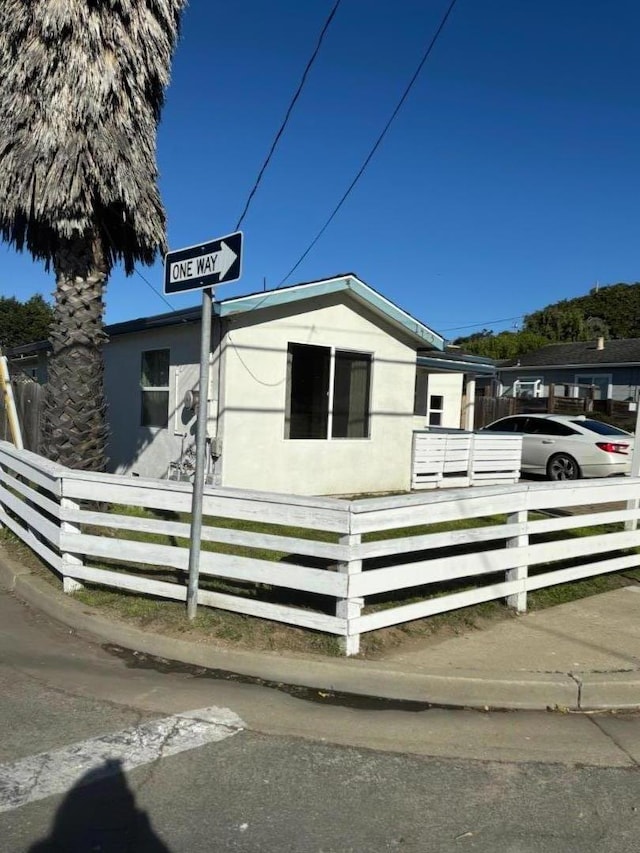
[201, 267]
[201, 449]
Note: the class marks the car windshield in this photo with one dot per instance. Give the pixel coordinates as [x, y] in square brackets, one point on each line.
[600, 427]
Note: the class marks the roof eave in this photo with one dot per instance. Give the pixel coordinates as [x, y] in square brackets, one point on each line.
[361, 291]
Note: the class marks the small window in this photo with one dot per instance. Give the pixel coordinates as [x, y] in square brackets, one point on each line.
[430, 406]
[436, 409]
[154, 383]
[527, 388]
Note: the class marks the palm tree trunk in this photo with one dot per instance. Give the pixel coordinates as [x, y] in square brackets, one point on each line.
[74, 427]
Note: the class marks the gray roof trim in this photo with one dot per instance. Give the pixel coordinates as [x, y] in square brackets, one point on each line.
[455, 365]
[349, 282]
[580, 366]
[141, 324]
[620, 351]
[361, 292]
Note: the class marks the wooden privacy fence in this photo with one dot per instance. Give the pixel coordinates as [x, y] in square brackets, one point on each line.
[341, 567]
[458, 458]
[28, 398]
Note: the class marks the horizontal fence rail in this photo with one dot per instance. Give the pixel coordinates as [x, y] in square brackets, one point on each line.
[458, 458]
[336, 566]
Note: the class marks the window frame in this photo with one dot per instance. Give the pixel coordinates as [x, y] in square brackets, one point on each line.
[333, 352]
[435, 410]
[582, 380]
[536, 381]
[144, 389]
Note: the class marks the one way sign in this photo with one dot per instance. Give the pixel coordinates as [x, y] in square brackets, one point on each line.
[203, 265]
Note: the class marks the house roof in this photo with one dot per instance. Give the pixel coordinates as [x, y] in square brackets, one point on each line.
[457, 361]
[579, 354]
[346, 282]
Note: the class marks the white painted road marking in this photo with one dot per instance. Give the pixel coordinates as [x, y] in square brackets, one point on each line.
[56, 772]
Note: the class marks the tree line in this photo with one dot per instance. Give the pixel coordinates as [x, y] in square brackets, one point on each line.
[612, 311]
[24, 322]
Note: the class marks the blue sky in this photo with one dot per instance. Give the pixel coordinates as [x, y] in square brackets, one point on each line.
[509, 179]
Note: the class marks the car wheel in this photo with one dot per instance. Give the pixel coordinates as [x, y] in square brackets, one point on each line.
[563, 467]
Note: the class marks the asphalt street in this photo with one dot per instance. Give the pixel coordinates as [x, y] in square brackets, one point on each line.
[110, 751]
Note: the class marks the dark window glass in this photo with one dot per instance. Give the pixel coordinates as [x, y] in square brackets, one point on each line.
[155, 369]
[155, 408]
[600, 428]
[308, 383]
[505, 425]
[541, 426]
[420, 396]
[435, 418]
[436, 401]
[351, 385]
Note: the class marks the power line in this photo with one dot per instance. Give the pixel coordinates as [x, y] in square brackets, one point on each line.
[288, 113]
[483, 323]
[157, 292]
[376, 144]
[273, 144]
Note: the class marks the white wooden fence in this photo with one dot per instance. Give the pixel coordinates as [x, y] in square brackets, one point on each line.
[356, 564]
[457, 458]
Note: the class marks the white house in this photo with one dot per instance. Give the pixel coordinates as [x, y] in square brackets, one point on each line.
[315, 389]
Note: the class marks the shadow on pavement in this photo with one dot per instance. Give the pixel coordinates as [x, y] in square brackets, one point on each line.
[99, 814]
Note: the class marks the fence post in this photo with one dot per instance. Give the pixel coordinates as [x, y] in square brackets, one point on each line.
[69, 584]
[350, 608]
[518, 601]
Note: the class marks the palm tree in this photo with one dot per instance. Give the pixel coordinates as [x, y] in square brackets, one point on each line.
[81, 90]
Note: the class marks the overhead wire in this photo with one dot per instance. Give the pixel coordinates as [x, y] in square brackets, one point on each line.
[157, 292]
[377, 143]
[288, 113]
[483, 323]
[276, 139]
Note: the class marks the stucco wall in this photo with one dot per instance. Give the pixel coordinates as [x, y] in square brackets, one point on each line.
[251, 426]
[132, 448]
[448, 386]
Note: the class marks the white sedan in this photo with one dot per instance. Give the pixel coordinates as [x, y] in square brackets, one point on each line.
[565, 447]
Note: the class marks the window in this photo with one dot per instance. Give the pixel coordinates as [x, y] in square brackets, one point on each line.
[154, 382]
[599, 427]
[527, 388]
[545, 426]
[601, 381]
[436, 408]
[318, 376]
[507, 425]
[429, 405]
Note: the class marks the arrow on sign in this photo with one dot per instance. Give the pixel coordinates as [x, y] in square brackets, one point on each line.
[219, 262]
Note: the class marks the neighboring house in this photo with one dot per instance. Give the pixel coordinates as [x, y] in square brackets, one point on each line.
[612, 367]
[314, 389]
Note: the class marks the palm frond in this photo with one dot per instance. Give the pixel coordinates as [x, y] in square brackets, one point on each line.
[81, 90]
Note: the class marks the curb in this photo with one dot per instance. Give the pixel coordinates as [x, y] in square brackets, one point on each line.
[456, 689]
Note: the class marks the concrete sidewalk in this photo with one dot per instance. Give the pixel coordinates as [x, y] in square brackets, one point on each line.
[579, 656]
